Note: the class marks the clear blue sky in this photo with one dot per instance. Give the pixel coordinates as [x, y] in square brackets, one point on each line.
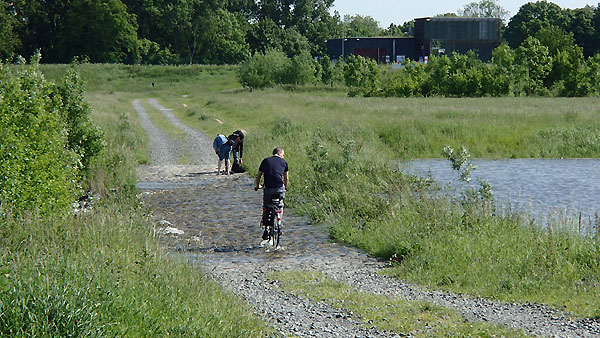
[400, 11]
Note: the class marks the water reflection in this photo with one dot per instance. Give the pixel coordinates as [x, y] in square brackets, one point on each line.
[547, 189]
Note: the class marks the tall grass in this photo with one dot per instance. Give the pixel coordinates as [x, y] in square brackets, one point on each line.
[102, 273]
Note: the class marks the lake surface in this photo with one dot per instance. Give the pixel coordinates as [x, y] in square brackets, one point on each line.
[544, 188]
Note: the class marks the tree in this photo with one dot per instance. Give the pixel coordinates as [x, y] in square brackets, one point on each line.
[9, 40]
[400, 30]
[101, 30]
[361, 75]
[534, 63]
[264, 69]
[584, 33]
[484, 9]
[222, 39]
[503, 70]
[532, 17]
[361, 26]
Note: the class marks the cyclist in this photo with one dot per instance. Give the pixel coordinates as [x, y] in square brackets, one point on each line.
[275, 172]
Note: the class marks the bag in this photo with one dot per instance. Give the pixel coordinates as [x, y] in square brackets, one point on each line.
[237, 168]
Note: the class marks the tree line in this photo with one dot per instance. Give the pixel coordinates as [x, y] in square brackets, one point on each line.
[228, 32]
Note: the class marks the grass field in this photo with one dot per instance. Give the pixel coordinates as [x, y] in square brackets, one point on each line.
[341, 152]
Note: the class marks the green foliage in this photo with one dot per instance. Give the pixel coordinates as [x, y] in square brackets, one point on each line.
[361, 75]
[9, 40]
[264, 69]
[37, 168]
[102, 31]
[83, 136]
[151, 53]
[302, 70]
[327, 70]
[484, 9]
[532, 17]
[412, 80]
[361, 26]
[533, 65]
[104, 275]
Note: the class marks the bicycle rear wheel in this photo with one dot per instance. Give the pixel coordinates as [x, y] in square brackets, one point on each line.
[276, 228]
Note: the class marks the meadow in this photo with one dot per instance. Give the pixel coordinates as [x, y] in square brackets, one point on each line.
[341, 153]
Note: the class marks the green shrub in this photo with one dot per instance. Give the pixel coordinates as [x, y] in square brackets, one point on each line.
[361, 75]
[83, 136]
[37, 168]
[47, 139]
[264, 69]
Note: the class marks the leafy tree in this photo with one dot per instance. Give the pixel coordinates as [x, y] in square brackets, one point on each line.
[152, 53]
[534, 63]
[101, 30]
[361, 75]
[310, 18]
[399, 30]
[264, 69]
[9, 40]
[502, 71]
[593, 74]
[38, 25]
[302, 70]
[222, 40]
[361, 26]
[412, 80]
[37, 169]
[532, 17]
[326, 71]
[83, 137]
[584, 33]
[484, 9]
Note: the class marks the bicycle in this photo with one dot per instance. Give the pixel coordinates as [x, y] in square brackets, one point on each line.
[272, 220]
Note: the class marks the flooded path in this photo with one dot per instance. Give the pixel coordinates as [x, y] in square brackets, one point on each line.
[217, 220]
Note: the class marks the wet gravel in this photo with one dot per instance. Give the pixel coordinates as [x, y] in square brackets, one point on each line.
[219, 217]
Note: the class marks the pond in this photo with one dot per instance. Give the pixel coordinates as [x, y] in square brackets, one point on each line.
[564, 189]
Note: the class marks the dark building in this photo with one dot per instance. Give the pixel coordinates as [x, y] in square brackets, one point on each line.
[439, 35]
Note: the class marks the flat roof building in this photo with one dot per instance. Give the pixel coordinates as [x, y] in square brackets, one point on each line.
[440, 35]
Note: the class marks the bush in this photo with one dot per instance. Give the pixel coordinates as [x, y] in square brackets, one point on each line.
[361, 76]
[45, 139]
[264, 69]
[83, 137]
[409, 81]
[302, 70]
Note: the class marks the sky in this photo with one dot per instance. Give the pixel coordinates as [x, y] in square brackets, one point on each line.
[400, 11]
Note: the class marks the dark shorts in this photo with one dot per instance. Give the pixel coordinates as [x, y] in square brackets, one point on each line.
[273, 192]
[224, 152]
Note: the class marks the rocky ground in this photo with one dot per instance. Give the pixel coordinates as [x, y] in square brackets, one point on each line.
[213, 220]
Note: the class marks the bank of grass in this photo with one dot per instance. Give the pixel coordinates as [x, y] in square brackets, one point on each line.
[414, 318]
[102, 273]
[341, 152]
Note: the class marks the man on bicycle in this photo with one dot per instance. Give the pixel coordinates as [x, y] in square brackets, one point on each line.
[275, 172]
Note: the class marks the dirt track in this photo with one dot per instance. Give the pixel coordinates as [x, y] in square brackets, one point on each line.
[219, 218]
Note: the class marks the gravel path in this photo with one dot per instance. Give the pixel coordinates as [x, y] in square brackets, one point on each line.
[219, 218]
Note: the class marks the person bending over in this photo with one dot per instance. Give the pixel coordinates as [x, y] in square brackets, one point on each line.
[222, 149]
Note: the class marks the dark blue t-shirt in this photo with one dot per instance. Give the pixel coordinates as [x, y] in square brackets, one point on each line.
[273, 168]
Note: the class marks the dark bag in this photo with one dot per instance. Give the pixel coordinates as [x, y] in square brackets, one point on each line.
[237, 168]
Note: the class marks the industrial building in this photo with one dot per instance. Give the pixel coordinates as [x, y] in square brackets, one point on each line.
[437, 35]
